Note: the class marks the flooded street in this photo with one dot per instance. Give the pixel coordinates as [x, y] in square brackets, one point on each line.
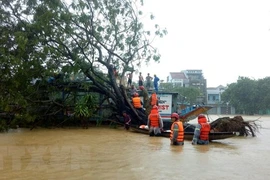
[107, 153]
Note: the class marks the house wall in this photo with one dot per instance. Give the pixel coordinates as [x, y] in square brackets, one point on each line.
[221, 109]
[214, 99]
[194, 79]
[176, 82]
[197, 80]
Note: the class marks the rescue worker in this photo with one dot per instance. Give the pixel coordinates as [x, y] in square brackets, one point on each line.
[177, 130]
[155, 122]
[201, 132]
[146, 101]
[136, 101]
[154, 99]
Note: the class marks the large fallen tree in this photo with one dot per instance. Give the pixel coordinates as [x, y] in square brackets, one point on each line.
[101, 39]
[235, 124]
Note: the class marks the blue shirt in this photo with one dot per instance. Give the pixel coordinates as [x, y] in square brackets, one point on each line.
[156, 79]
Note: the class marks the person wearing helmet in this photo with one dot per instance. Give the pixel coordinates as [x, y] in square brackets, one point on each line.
[201, 132]
[136, 101]
[153, 99]
[155, 122]
[177, 130]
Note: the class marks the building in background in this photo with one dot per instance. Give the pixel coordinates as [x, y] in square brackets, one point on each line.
[178, 79]
[214, 99]
[197, 80]
[190, 78]
[210, 96]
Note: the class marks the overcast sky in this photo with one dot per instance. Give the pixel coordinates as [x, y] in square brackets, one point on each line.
[225, 39]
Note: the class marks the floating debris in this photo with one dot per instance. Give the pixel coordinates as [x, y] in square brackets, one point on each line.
[235, 124]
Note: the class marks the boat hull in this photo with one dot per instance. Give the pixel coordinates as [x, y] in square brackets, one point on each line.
[189, 135]
[192, 112]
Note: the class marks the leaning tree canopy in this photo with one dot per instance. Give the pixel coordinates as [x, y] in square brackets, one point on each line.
[41, 37]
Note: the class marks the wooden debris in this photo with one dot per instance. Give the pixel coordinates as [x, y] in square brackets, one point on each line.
[235, 124]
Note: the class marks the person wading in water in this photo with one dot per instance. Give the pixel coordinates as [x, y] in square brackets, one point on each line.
[155, 122]
[201, 132]
[177, 130]
[127, 120]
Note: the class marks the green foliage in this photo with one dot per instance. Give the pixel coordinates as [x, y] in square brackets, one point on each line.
[40, 38]
[263, 95]
[248, 96]
[99, 33]
[86, 106]
[186, 94]
[191, 94]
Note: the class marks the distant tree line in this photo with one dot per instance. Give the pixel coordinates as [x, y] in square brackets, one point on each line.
[248, 96]
[186, 95]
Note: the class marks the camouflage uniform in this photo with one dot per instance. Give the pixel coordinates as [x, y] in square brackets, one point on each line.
[146, 102]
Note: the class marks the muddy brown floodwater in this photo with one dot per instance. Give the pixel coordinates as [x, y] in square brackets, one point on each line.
[107, 153]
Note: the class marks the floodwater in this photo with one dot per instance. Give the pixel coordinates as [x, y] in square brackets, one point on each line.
[107, 153]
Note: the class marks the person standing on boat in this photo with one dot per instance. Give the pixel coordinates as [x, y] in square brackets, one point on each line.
[155, 122]
[141, 79]
[130, 76]
[156, 79]
[127, 120]
[177, 130]
[148, 81]
[201, 132]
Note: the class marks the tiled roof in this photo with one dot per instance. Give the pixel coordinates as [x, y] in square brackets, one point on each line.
[178, 75]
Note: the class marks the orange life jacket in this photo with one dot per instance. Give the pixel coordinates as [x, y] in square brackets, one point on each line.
[154, 99]
[205, 129]
[180, 137]
[154, 118]
[137, 102]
